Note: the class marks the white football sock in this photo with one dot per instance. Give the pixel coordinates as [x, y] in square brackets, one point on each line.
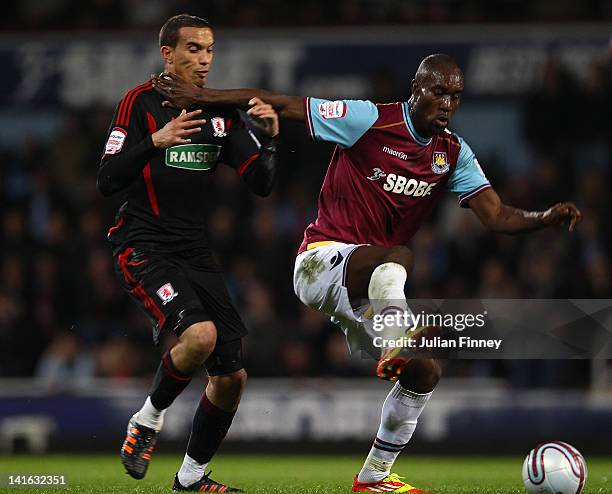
[150, 416]
[398, 421]
[386, 294]
[191, 471]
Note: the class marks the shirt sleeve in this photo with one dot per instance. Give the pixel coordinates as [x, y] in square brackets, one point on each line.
[127, 149]
[468, 180]
[342, 122]
[251, 154]
[242, 146]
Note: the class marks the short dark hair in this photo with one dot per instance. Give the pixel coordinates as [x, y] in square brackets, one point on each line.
[169, 33]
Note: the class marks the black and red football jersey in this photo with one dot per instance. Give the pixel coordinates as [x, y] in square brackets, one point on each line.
[166, 189]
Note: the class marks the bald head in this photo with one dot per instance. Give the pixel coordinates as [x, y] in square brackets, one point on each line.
[436, 92]
[438, 63]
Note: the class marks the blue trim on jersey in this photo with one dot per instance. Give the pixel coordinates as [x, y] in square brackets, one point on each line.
[345, 122]
[415, 135]
[468, 178]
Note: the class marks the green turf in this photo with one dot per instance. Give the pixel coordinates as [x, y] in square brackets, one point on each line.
[291, 474]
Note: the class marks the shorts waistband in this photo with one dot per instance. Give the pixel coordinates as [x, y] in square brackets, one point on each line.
[314, 245]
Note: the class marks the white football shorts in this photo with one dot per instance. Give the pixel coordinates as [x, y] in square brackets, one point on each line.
[319, 282]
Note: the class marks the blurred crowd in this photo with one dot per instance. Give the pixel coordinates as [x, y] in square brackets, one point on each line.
[146, 14]
[64, 317]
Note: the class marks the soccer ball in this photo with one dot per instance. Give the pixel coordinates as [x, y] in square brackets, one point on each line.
[554, 468]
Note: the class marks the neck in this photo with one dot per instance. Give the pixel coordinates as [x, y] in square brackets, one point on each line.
[415, 122]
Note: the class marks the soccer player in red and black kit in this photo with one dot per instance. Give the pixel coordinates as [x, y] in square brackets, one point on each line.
[163, 160]
[389, 169]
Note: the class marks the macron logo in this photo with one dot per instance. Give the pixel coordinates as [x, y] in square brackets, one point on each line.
[397, 154]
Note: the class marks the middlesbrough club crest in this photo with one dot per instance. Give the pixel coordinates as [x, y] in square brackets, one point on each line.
[166, 293]
[218, 125]
[439, 163]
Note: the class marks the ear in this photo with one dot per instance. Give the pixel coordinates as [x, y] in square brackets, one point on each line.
[414, 86]
[167, 53]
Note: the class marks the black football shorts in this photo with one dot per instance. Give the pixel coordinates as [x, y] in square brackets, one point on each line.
[179, 289]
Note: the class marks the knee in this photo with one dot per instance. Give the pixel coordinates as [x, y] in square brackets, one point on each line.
[421, 375]
[400, 254]
[200, 338]
[229, 383]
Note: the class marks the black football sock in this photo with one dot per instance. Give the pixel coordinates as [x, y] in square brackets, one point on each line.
[210, 425]
[168, 384]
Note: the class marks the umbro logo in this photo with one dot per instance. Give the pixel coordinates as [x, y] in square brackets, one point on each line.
[336, 260]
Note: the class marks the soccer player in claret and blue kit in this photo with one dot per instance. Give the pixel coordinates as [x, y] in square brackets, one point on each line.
[163, 159]
[391, 166]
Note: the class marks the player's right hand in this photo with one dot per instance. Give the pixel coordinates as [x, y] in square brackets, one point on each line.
[178, 130]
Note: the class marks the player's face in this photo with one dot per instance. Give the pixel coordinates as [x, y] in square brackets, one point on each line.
[193, 54]
[434, 101]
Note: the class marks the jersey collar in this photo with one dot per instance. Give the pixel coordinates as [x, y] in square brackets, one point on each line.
[420, 140]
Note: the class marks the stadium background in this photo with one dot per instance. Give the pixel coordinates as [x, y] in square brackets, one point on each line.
[75, 352]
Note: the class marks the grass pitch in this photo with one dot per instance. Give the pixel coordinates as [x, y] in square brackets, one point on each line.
[258, 474]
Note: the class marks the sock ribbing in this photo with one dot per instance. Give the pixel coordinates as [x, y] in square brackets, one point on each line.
[407, 397]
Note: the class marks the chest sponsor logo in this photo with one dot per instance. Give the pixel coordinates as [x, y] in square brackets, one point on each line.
[166, 293]
[332, 109]
[218, 125]
[377, 174]
[200, 157]
[439, 162]
[115, 141]
[397, 184]
[398, 154]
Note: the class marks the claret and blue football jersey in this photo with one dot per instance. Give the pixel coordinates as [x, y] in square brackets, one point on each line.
[383, 179]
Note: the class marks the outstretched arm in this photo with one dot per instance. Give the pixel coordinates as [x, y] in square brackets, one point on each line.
[501, 218]
[182, 94]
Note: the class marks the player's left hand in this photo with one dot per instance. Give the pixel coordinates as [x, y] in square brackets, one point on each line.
[264, 117]
[564, 213]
